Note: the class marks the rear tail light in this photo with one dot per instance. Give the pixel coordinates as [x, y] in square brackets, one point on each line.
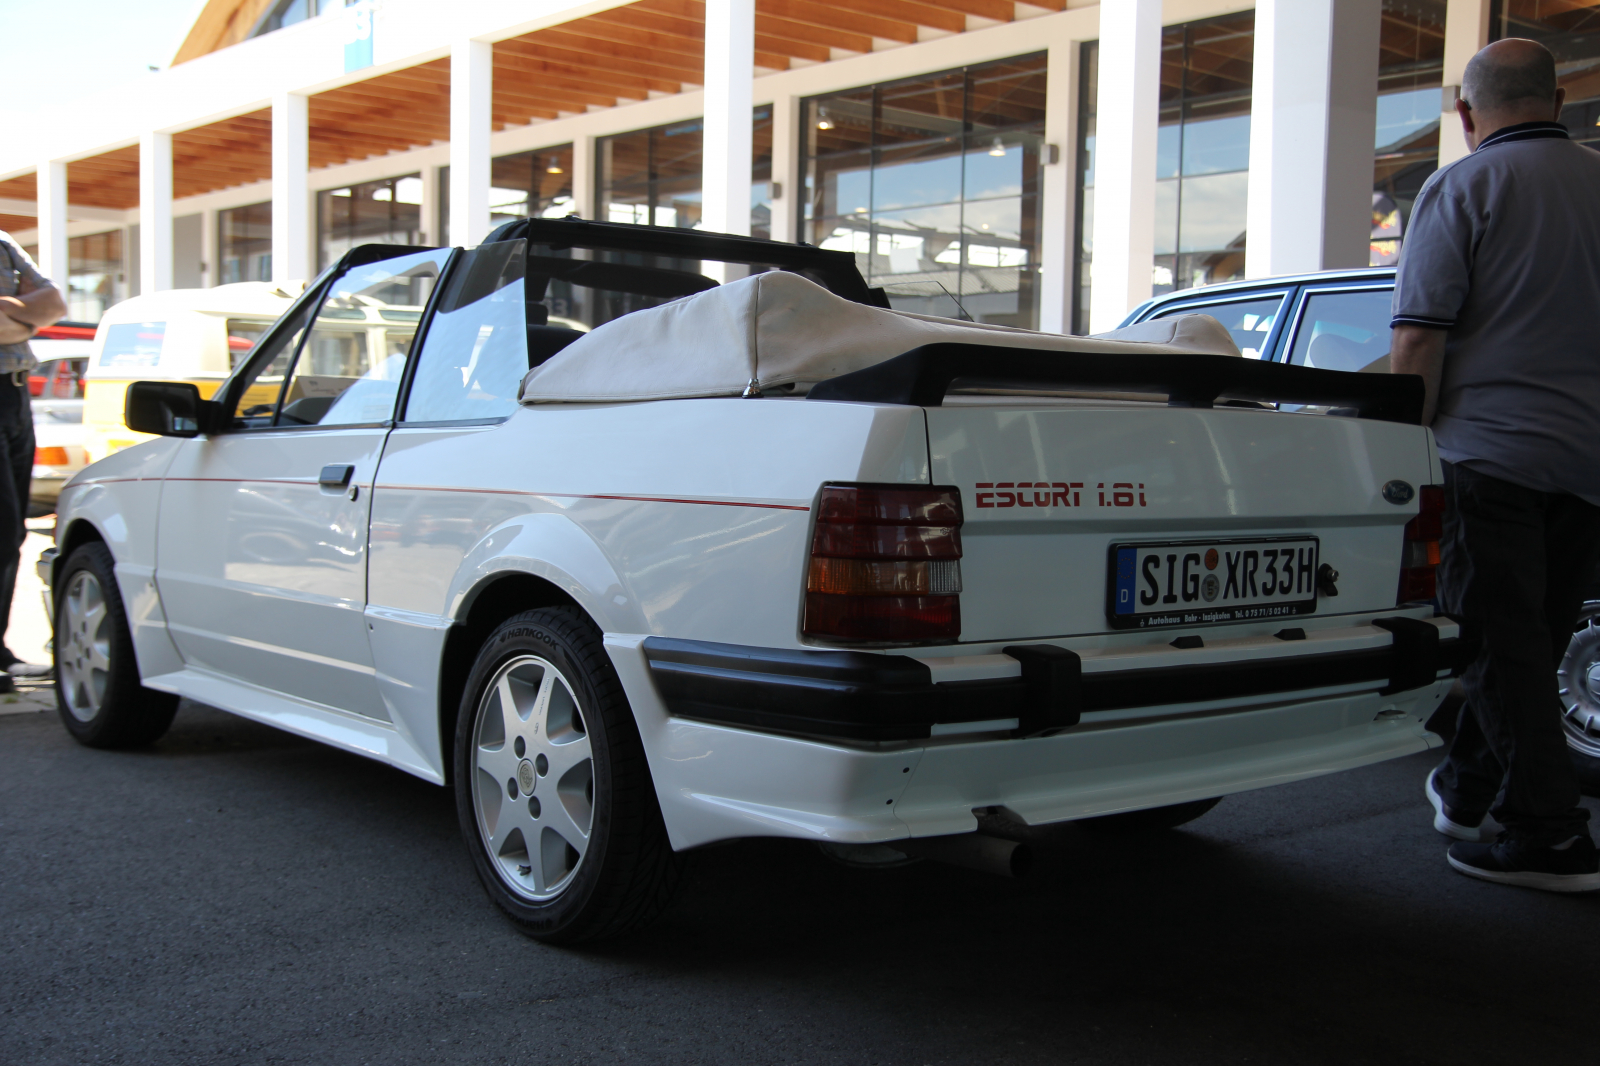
[1420, 554]
[885, 564]
[52, 456]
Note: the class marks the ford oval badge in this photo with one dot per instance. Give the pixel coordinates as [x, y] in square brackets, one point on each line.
[1398, 492]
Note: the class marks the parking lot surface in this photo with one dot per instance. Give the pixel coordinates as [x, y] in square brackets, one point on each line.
[238, 895]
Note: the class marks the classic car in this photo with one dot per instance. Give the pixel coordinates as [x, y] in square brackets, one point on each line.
[754, 554]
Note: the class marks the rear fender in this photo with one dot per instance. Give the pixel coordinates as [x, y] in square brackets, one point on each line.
[558, 550]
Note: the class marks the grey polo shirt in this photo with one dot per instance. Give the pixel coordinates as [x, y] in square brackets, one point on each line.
[1503, 252]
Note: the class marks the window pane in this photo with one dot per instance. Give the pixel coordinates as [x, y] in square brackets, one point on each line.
[374, 212]
[918, 173]
[350, 366]
[1343, 330]
[244, 238]
[945, 204]
[1248, 321]
[258, 402]
[1213, 212]
[476, 353]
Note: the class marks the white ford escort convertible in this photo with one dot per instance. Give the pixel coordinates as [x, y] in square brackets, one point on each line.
[758, 558]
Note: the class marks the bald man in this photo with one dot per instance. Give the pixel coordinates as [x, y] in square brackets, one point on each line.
[1494, 307]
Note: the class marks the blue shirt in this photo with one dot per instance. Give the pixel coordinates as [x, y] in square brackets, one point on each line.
[1503, 253]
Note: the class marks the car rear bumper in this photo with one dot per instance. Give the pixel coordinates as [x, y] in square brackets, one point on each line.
[721, 779]
[857, 696]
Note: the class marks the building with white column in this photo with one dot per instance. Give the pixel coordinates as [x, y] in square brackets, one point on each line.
[1045, 163]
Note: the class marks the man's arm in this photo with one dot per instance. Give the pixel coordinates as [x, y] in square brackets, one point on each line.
[1420, 350]
[35, 306]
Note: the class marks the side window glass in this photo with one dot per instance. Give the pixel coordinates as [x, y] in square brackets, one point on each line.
[354, 355]
[1249, 321]
[258, 403]
[476, 352]
[1344, 331]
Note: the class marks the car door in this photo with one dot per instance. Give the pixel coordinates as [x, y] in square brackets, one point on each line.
[262, 540]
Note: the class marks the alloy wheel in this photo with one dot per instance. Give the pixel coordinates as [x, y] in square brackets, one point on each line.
[1578, 680]
[532, 777]
[83, 646]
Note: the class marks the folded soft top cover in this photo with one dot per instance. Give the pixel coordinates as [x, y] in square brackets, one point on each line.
[777, 328]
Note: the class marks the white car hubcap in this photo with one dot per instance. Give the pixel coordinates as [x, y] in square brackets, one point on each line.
[83, 646]
[532, 777]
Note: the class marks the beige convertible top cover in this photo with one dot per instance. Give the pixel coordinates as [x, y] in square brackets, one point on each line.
[778, 329]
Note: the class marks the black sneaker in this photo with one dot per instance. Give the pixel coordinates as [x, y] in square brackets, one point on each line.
[1574, 867]
[1451, 822]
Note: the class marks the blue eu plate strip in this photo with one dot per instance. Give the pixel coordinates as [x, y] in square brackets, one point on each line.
[1127, 561]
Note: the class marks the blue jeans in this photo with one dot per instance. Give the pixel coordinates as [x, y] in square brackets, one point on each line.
[1515, 563]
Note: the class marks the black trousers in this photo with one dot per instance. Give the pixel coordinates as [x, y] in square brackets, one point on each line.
[1516, 562]
[16, 455]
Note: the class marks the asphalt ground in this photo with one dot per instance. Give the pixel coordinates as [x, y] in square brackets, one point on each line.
[238, 895]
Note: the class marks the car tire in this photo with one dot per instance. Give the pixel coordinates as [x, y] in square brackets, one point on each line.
[99, 695]
[1578, 682]
[554, 796]
[1151, 820]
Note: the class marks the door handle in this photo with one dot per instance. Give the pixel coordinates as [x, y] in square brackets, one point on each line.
[336, 475]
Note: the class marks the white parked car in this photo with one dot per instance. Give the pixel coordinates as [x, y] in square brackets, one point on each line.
[758, 559]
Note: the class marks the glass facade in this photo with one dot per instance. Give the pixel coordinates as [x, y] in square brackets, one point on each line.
[934, 184]
[1570, 29]
[374, 212]
[1203, 152]
[536, 184]
[97, 275]
[244, 243]
[1406, 141]
[652, 177]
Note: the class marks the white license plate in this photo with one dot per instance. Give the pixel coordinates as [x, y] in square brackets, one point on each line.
[1199, 582]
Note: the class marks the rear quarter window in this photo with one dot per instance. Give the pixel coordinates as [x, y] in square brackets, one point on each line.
[1249, 321]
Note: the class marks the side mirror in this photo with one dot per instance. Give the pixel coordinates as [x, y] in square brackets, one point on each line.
[167, 409]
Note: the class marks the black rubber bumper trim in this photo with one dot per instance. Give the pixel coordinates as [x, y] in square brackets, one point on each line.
[860, 696]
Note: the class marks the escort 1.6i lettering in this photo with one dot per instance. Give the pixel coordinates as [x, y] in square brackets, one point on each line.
[758, 558]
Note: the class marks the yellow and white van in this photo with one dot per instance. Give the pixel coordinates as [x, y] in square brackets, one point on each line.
[195, 335]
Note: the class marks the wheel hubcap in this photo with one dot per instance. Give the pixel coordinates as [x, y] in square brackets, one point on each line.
[1578, 679]
[83, 646]
[532, 778]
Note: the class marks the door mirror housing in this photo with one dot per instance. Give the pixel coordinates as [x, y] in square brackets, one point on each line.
[168, 409]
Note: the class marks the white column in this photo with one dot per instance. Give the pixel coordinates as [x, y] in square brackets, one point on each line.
[432, 232]
[1313, 112]
[1466, 29]
[471, 121]
[730, 70]
[51, 198]
[210, 250]
[1059, 234]
[583, 180]
[786, 206]
[155, 212]
[291, 196]
[1125, 159]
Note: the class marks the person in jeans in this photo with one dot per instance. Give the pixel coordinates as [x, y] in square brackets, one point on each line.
[28, 301]
[1494, 307]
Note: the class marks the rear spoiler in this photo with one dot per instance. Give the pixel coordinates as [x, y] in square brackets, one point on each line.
[922, 377]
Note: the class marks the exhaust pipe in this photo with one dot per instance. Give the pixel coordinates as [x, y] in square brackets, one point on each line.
[975, 851]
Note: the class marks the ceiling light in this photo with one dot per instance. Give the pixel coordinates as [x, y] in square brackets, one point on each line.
[554, 167]
[999, 149]
[823, 121]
